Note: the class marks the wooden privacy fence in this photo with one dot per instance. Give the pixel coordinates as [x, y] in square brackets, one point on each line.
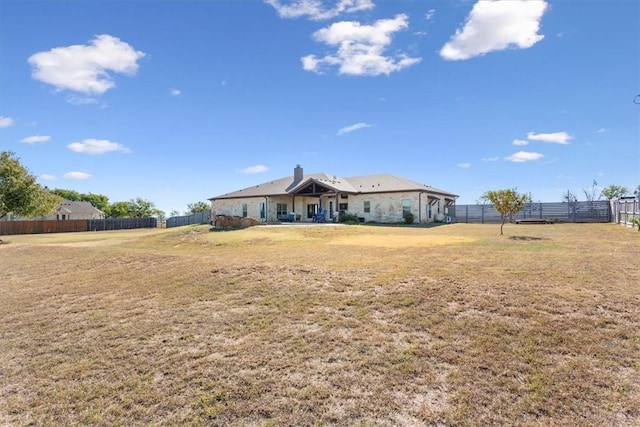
[598, 211]
[66, 226]
[624, 210]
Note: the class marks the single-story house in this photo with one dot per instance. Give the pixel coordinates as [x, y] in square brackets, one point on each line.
[378, 198]
[75, 210]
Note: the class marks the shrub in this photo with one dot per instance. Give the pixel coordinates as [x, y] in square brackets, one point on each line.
[635, 221]
[348, 218]
[408, 218]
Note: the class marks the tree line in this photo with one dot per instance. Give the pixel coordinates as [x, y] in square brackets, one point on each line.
[21, 195]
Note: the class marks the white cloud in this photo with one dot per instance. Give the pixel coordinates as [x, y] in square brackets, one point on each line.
[520, 142]
[175, 92]
[429, 15]
[81, 100]
[77, 175]
[5, 122]
[602, 130]
[47, 177]
[360, 48]
[495, 25]
[36, 139]
[86, 68]
[254, 169]
[464, 165]
[524, 156]
[96, 146]
[490, 159]
[316, 10]
[555, 137]
[354, 127]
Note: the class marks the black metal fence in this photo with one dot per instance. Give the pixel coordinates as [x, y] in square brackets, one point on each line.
[597, 211]
[196, 218]
[74, 225]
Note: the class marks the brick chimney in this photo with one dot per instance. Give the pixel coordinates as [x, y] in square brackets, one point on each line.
[297, 174]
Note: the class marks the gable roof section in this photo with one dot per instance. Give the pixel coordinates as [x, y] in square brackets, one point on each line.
[278, 187]
[384, 183]
[333, 183]
[78, 208]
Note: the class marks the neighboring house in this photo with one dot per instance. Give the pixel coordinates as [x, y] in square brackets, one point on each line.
[75, 210]
[379, 198]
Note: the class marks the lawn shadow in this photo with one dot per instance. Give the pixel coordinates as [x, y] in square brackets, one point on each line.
[528, 238]
[403, 225]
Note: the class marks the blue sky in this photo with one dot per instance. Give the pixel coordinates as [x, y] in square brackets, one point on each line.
[179, 101]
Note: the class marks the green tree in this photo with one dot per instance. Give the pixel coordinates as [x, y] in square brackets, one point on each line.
[507, 202]
[198, 207]
[614, 191]
[134, 208]
[20, 194]
[174, 213]
[143, 208]
[71, 195]
[99, 201]
[119, 210]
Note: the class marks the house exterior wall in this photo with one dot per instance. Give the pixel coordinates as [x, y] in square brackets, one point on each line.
[297, 205]
[384, 207]
[388, 207]
[81, 215]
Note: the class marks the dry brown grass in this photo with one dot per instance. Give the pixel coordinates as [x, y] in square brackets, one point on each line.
[451, 325]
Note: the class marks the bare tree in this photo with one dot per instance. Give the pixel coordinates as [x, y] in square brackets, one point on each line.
[569, 197]
[592, 194]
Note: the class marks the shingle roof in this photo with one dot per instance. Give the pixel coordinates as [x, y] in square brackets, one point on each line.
[78, 207]
[384, 183]
[391, 183]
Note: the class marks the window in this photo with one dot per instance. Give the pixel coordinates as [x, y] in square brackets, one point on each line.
[406, 207]
[263, 211]
[367, 206]
[282, 210]
[312, 210]
[438, 206]
[244, 210]
[331, 210]
[429, 211]
[343, 207]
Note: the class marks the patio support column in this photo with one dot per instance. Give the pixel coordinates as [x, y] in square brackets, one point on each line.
[420, 206]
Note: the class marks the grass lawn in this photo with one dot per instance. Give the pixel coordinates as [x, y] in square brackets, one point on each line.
[325, 325]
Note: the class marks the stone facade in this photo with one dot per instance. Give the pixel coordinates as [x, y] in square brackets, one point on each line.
[373, 198]
[383, 207]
